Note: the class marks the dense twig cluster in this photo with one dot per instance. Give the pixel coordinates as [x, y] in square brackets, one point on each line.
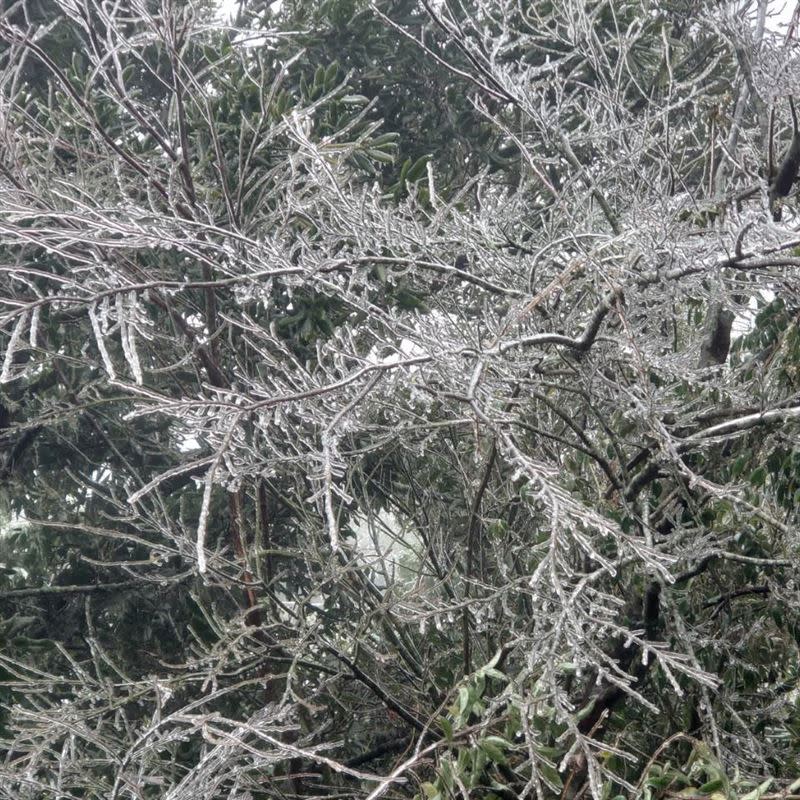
[362, 500]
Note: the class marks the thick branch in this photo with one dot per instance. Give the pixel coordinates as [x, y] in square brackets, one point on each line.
[717, 336]
[39, 591]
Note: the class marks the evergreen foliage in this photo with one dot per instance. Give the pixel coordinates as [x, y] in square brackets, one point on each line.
[397, 399]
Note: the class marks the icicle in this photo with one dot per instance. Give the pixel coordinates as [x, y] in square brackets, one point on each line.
[101, 345]
[33, 333]
[5, 373]
[202, 523]
[333, 528]
[135, 364]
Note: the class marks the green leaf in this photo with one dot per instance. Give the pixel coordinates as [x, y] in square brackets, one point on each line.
[493, 752]
[463, 699]
[585, 711]
[551, 776]
[626, 524]
[417, 170]
[758, 477]
[363, 162]
[446, 726]
[499, 741]
[330, 73]
[551, 753]
[481, 759]
[658, 782]
[430, 791]
[379, 155]
[446, 774]
[384, 138]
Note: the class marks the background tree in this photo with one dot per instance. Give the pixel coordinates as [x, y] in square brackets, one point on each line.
[397, 400]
